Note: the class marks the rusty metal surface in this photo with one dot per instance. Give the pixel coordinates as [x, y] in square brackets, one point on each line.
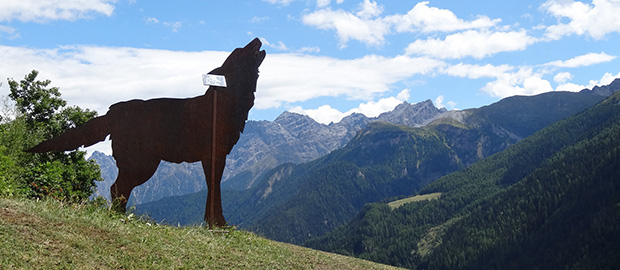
[144, 132]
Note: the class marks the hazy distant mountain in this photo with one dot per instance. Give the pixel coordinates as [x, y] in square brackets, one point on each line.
[290, 138]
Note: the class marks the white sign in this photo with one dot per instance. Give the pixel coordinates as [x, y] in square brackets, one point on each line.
[215, 80]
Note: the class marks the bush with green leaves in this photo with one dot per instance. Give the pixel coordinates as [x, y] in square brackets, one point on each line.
[38, 114]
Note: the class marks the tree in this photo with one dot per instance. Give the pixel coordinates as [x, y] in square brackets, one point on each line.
[40, 114]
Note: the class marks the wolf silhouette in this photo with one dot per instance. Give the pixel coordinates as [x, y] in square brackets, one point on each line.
[176, 130]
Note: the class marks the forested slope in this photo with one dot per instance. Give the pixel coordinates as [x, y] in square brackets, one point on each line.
[550, 201]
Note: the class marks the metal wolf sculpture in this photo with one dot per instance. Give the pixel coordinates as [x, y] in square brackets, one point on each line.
[176, 130]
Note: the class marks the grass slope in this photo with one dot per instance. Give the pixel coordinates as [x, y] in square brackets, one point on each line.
[52, 235]
[417, 198]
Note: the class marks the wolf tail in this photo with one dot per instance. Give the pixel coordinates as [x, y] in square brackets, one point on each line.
[93, 131]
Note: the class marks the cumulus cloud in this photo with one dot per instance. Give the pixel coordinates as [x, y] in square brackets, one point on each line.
[562, 77]
[583, 60]
[322, 3]
[95, 77]
[595, 20]
[570, 87]
[523, 81]
[39, 11]
[439, 103]
[278, 46]
[507, 80]
[349, 26]
[476, 71]
[369, 9]
[368, 27]
[423, 18]
[471, 43]
[288, 78]
[605, 80]
[325, 114]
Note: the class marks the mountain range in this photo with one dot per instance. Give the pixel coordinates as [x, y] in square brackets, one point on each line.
[551, 201]
[295, 202]
[470, 189]
[290, 138]
[266, 144]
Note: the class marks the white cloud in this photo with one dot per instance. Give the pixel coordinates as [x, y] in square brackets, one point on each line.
[280, 2]
[431, 19]
[322, 3]
[521, 82]
[7, 29]
[570, 87]
[562, 77]
[369, 9]
[595, 20]
[12, 32]
[310, 49]
[374, 109]
[152, 20]
[476, 71]
[95, 77]
[507, 80]
[366, 26]
[605, 80]
[278, 46]
[325, 114]
[174, 26]
[40, 11]
[439, 103]
[348, 26]
[288, 78]
[583, 60]
[471, 43]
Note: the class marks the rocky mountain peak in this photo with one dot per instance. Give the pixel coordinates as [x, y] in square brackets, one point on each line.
[290, 138]
[413, 115]
[605, 90]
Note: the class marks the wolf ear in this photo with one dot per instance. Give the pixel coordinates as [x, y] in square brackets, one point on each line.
[217, 71]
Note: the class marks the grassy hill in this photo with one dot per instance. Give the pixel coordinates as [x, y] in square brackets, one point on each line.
[51, 235]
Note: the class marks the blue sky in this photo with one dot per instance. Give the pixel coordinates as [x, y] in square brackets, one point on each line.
[325, 58]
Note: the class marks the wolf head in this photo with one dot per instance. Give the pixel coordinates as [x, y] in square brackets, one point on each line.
[241, 68]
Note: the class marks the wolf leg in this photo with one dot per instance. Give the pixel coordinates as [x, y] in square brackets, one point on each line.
[129, 178]
[213, 212]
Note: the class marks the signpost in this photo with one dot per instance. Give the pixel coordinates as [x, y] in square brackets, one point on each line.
[220, 81]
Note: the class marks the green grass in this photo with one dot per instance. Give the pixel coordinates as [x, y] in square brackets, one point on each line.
[426, 197]
[48, 234]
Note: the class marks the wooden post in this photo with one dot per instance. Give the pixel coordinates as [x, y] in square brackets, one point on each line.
[213, 155]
